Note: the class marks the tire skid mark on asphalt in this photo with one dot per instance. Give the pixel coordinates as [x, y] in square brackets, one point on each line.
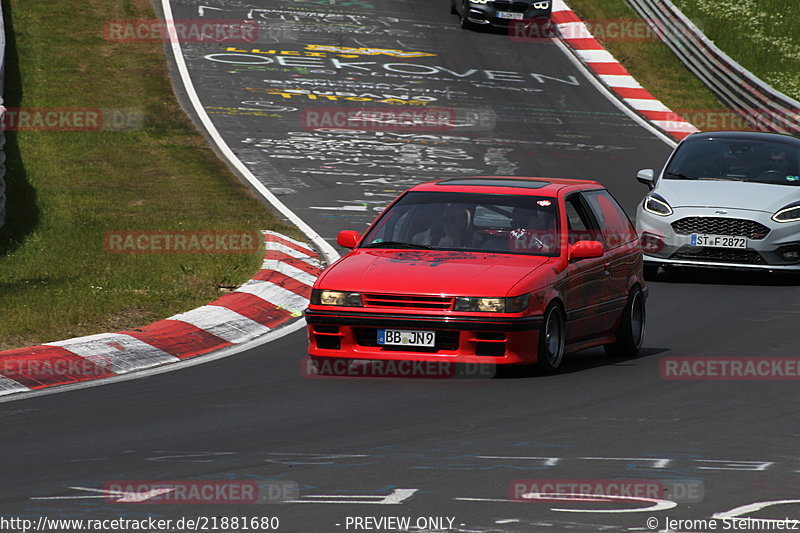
[276, 294]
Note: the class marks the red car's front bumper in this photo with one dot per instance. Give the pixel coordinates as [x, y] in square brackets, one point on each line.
[459, 339]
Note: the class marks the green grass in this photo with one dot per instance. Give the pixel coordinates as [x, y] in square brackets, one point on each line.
[653, 65]
[761, 35]
[67, 189]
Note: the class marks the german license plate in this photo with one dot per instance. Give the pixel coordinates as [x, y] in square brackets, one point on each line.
[718, 241]
[406, 337]
[509, 15]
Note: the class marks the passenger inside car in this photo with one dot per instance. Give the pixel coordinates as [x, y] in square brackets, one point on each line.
[456, 223]
[712, 164]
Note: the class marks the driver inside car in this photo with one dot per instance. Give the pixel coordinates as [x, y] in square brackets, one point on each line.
[777, 165]
[532, 230]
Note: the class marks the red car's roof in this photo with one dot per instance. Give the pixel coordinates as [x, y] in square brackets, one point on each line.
[505, 185]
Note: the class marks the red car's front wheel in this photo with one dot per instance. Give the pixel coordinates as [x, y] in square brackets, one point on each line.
[551, 339]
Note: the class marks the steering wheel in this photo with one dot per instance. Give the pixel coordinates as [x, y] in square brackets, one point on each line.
[524, 240]
[772, 175]
[536, 241]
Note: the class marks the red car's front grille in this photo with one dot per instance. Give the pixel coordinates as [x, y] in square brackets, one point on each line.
[407, 301]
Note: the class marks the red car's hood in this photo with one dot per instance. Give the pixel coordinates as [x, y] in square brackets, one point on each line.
[430, 272]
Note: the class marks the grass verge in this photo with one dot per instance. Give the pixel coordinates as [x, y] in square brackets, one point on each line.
[761, 35]
[67, 189]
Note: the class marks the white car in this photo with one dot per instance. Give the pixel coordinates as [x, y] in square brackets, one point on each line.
[724, 200]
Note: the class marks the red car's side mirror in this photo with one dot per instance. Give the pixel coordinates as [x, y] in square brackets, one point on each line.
[585, 250]
[347, 238]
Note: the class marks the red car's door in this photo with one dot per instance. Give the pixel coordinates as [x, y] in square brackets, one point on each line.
[620, 244]
[587, 292]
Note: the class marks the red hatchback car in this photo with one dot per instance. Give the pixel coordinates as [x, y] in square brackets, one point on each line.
[497, 270]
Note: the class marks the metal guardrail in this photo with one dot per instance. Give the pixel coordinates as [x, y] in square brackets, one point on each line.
[2, 112]
[759, 104]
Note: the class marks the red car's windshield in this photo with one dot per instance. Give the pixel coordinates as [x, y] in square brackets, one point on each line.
[517, 224]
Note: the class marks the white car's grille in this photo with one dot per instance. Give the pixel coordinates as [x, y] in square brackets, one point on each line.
[721, 226]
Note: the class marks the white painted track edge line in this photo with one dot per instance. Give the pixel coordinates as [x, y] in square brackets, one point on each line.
[275, 334]
[327, 250]
[616, 100]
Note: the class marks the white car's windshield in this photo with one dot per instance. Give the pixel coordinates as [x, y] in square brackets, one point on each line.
[468, 221]
[737, 160]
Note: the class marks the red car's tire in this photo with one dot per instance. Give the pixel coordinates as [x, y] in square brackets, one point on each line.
[630, 334]
[552, 339]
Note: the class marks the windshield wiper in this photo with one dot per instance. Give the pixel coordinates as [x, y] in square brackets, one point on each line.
[681, 176]
[397, 244]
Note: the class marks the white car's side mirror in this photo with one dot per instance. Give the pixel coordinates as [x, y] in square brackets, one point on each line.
[646, 176]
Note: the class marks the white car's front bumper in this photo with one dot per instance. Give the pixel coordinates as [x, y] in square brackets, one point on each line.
[668, 240]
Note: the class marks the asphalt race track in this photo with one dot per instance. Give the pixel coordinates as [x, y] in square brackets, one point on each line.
[447, 448]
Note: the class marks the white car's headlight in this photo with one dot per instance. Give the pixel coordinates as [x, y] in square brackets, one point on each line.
[657, 205]
[341, 298]
[493, 305]
[790, 213]
[479, 1]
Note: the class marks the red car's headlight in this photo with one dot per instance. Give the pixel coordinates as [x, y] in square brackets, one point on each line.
[340, 298]
[515, 304]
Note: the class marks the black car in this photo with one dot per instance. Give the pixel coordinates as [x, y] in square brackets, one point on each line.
[501, 13]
